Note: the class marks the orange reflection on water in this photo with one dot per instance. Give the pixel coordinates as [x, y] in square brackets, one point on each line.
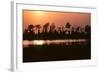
[38, 42]
[26, 43]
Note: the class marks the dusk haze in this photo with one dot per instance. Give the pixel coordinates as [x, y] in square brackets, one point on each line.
[59, 18]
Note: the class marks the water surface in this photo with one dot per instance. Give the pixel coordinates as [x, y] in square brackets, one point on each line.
[27, 43]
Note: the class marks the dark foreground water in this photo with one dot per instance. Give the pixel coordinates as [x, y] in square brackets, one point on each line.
[56, 50]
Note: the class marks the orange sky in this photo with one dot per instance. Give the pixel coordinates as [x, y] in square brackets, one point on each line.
[59, 18]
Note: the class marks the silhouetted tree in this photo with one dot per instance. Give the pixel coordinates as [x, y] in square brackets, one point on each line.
[59, 29]
[52, 27]
[87, 29]
[38, 28]
[45, 27]
[82, 30]
[29, 33]
[56, 32]
[30, 28]
[78, 29]
[72, 30]
[67, 26]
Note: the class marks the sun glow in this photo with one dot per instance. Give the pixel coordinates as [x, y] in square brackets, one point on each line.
[38, 42]
[39, 12]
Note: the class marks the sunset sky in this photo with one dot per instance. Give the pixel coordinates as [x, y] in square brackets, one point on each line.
[59, 18]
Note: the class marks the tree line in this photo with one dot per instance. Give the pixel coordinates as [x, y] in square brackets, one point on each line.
[52, 32]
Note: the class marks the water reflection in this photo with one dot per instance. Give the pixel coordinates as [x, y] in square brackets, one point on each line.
[26, 43]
